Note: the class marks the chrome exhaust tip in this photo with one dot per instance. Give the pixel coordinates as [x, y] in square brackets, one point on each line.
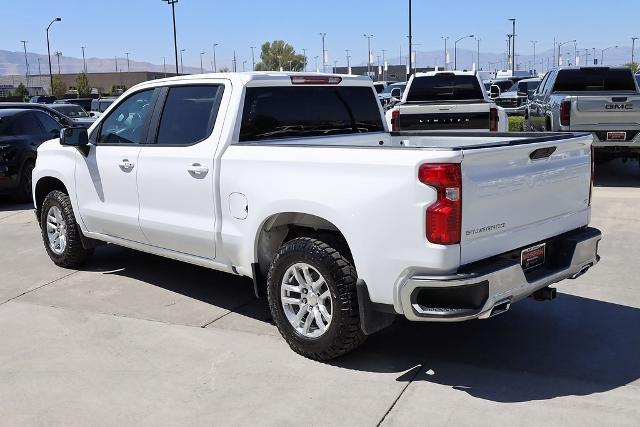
[500, 307]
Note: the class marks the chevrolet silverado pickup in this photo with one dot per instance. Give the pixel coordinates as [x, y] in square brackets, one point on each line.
[446, 100]
[294, 180]
[602, 100]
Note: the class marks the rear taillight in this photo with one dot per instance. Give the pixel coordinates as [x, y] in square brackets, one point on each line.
[565, 113]
[444, 217]
[493, 119]
[395, 120]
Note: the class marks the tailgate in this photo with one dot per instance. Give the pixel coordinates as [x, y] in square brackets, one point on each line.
[465, 116]
[516, 195]
[613, 112]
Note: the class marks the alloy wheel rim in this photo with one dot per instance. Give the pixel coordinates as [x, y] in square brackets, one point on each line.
[306, 300]
[56, 230]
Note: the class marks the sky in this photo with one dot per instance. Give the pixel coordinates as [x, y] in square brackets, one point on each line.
[144, 28]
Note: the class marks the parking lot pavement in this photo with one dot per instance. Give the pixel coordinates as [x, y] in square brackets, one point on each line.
[138, 339]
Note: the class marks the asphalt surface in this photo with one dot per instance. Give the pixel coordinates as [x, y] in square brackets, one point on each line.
[134, 339]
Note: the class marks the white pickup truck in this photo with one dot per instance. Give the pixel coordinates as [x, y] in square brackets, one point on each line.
[294, 180]
[447, 100]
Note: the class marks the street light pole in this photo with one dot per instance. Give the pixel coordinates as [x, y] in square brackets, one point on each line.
[49, 54]
[304, 54]
[383, 65]
[534, 42]
[368, 37]
[253, 58]
[478, 56]
[26, 63]
[84, 62]
[455, 50]
[560, 46]
[201, 69]
[181, 63]
[445, 51]
[603, 51]
[128, 68]
[175, 38]
[323, 35]
[633, 48]
[513, 45]
[58, 54]
[410, 37]
[215, 65]
[348, 57]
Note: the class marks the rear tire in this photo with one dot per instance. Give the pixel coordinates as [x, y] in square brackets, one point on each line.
[25, 193]
[60, 232]
[299, 322]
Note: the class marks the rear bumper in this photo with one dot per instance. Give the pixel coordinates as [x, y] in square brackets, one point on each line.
[489, 287]
[601, 142]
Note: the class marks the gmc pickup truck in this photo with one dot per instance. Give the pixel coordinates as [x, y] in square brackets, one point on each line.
[602, 100]
[294, 180]
[446, 100]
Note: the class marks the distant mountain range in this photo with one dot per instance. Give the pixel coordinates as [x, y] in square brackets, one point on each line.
[12, 63]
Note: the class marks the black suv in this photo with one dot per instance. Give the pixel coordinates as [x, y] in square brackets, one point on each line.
[21, 132]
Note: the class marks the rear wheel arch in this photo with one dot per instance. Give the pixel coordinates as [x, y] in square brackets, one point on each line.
[282, 227]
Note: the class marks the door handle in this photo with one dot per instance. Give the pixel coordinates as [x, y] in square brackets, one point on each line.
[197, 170]
[126, 165]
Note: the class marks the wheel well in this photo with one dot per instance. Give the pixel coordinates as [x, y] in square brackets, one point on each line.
[280, 228]
[45, 186]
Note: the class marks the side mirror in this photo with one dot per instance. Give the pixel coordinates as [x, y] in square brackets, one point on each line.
[396, 92]
[74, 137]
[494, 91]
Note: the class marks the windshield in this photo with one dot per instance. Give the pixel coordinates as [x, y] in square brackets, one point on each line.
[594, 80]
[389, 88]
[73, 111]
[379, 87]
[525, 87]
[445, 87]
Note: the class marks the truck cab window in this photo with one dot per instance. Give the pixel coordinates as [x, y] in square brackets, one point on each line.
[196, 105]
[125, 124]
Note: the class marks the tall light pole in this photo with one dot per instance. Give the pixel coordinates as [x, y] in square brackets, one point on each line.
[478, 56]
[84, 62]
[181, 63]
[534, 42]
[243, 64]
[26, 63]
[513, 43]
[215, 65]
[164, 65]
[304, 59]
[633, 48]
[383, 65]
[316, 58]
[455, 50]
[201, 69]
[58, 54]
[603, 51]
[445, 51]
[368, 37]
[253, 58]
[175, 38]
[128, 68]
[348, 57]
[410, 37]
[560, 46]
[324, 55]
[49, 54]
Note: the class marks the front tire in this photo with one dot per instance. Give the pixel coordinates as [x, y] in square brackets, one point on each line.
[60, 232]
[25, 192]
[312, 296]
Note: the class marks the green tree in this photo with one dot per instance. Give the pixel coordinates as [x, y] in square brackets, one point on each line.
[21, 90]
[82, 85]
[58, 88]
[278, 54]
[634, 67]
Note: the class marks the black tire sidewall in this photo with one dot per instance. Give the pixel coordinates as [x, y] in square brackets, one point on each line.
[25, 191]
[304, 250]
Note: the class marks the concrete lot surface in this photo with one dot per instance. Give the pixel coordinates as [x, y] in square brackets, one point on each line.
[134, 339]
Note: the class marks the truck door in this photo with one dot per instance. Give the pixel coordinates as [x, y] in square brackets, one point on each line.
[177, 175]
[106, 178]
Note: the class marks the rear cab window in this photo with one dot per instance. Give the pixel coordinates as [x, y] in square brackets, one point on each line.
[279, 112]
[594, 80]
[445, 87]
